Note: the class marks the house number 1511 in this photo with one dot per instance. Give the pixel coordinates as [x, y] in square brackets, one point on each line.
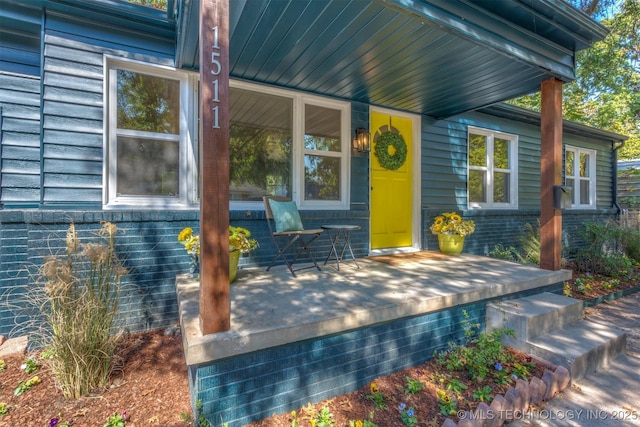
[216, 67]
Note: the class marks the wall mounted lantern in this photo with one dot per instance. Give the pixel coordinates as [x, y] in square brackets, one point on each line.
[362, 141]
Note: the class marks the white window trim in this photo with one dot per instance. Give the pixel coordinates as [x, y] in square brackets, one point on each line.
[297, 168]
[189, 121]
[592, 178]
[187, 139]
[513, 160]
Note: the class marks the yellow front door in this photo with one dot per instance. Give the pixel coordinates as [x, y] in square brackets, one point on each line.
[391, 182]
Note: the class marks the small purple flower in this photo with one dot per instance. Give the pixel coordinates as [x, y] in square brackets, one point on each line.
[53, 422]
[514, 377]
[402, 406]
[498, 366]
[124, 415]
[410, 412]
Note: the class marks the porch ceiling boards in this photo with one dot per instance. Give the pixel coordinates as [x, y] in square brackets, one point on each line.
[437, 57]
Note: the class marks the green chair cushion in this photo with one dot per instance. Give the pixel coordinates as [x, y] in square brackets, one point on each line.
[286, 216]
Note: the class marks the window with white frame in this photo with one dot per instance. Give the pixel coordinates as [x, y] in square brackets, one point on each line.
[492, 169]
[287, 144]
[150, 157]
[580, 175]
[281, 142]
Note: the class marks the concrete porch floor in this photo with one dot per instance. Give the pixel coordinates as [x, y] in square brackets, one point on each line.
[273, 308]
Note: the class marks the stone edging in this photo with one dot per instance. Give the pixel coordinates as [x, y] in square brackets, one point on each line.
[517, 400]
[591, 302]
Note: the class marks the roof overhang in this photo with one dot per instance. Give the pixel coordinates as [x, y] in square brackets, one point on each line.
[436, 57]
[523, 115]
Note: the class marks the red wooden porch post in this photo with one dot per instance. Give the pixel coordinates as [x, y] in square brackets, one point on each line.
[215, 307]
[550, 174]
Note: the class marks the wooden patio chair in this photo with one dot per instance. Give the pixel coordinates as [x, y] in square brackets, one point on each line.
[287, 231]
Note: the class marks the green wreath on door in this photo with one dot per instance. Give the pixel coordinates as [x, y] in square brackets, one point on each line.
[391, 161]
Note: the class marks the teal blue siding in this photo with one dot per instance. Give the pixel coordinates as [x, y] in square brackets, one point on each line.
[444, 181]
[72, 128]
[112, 29]
[20, 140]
[20, 28]
[444, 164]
[73, 103]
[444, 160]
[359, 161]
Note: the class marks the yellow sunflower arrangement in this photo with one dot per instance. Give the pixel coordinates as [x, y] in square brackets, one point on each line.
[190, 241]
[239, 238]
[452, 223]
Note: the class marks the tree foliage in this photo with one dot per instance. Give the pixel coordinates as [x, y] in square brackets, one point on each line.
[606, 92]
[157, 4]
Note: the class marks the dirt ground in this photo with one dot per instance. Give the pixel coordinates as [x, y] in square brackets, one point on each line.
[151, 386]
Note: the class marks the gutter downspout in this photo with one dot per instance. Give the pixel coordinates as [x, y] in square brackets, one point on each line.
[615, 176]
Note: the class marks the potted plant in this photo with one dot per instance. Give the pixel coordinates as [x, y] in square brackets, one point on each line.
[240, 241]
[191, 243]
[451, 230]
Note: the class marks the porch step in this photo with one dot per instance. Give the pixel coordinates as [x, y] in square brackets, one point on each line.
[552, 327]
[533, 316]
[583, 347]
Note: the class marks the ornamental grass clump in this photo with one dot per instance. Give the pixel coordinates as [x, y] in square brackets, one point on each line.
[78, 296]
[452, 223]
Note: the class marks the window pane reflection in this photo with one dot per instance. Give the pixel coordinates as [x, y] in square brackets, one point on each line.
[147, 167]
[585, 198]
[501, 188]
[477, 190]
[148, 103]
[321, 178]
[584, 165]
[569, 163]
[478, 150]
[260, 142]
[501, 153]
[321, 128]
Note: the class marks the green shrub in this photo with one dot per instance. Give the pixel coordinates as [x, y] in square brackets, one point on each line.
[604, 237]
[632, 247]
[616, 266]
[605, 247]
[506, 253]
[530, 242]
[78, 296]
